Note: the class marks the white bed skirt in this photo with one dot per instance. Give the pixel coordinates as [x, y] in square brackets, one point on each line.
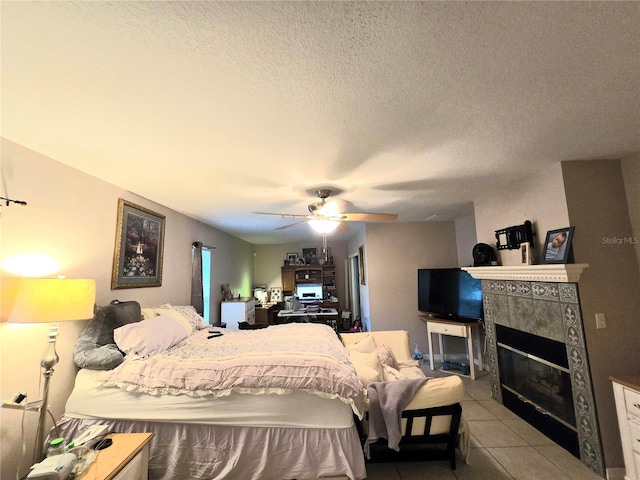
[207, 452]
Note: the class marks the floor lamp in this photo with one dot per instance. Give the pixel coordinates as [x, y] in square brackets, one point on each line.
[41, 300]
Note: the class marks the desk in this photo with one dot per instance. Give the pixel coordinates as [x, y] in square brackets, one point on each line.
[454, 329]
[307, 314]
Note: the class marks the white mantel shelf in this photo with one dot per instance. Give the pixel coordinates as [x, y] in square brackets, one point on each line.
[561, 272]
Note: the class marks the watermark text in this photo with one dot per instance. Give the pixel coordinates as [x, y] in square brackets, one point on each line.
[620, 240]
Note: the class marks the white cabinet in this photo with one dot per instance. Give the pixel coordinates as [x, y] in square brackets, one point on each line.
[626, 391]
[235, 311]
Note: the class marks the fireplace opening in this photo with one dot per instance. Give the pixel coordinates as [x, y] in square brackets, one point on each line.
[536, 384]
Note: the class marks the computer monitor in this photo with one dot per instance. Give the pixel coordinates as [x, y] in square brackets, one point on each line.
[307, 292]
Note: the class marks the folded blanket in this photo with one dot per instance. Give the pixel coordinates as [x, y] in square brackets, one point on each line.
[387, 400]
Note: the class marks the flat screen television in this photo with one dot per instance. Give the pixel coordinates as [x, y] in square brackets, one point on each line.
[449, 293]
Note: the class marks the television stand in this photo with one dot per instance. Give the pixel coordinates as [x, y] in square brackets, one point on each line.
[454, 329]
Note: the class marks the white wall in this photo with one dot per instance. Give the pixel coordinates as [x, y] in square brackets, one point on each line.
[71, 218]
[394, 253]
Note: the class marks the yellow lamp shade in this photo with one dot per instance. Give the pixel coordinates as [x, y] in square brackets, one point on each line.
[39, 300]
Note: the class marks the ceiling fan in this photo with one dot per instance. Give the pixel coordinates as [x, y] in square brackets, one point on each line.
[324, 217]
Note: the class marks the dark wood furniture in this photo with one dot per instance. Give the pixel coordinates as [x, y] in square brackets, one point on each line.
[268, 315]
[424, 447]
[293, 275]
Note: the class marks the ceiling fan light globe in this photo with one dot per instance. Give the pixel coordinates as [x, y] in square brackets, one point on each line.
[323, 226]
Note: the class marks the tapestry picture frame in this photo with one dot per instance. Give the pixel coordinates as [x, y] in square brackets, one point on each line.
[139, 247]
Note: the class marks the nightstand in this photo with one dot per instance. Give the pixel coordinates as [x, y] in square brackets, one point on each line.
[126, 459]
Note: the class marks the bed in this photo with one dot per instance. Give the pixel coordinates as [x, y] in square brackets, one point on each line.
[275, 403]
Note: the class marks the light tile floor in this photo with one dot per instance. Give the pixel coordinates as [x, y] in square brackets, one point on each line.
[503, 447]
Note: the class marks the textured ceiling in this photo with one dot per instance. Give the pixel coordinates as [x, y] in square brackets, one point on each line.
[222, 109]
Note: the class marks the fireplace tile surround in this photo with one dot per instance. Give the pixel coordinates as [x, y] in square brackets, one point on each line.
[548, 309]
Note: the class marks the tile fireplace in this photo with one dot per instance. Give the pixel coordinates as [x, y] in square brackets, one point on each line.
[535, 383]
[537, 358]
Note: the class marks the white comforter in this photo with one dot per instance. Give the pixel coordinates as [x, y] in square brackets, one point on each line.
[278, 359]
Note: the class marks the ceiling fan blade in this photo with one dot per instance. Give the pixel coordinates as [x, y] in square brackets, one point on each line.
[291, 225]
[369, 217]
[283, 215]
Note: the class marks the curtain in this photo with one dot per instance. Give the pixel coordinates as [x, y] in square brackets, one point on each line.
[196, 279]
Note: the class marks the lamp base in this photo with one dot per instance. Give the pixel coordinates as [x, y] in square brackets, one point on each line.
[49, 360]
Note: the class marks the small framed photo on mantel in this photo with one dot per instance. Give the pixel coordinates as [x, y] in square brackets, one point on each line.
[558, 246]
[525, 253]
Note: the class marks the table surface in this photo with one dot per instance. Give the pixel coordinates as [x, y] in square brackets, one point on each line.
[303, 312]
[631, 381]
[114, 458]
[428, 319]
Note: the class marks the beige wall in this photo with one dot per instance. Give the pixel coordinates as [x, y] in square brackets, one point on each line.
[597, 205]
[631, 174]
[394, 253]
[71, 218]
[541, 200]
[465, 239]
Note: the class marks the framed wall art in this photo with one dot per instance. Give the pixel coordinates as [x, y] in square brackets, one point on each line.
[310, 255]
[137, 259]
[557, 246]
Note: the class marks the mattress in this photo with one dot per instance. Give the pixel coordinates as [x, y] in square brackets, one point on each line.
[89, 399]
[239, 436]
[286, 410]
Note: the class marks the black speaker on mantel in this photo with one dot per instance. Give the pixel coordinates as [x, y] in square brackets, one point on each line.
[483, 255]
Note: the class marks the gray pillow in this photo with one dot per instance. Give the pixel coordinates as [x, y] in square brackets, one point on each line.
[95, 348]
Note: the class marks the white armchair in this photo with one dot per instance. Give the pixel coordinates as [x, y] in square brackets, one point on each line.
[434, 413]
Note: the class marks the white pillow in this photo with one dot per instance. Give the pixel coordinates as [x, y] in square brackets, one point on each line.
[366, 345]
[386, 356]
[148, 313]
[177, 316]
[368, 367]
[150, 337]
[391, 374]
[366, 375]
[189, 312]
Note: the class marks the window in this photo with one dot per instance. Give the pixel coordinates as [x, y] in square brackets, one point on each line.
[201, 279]
[206, 282]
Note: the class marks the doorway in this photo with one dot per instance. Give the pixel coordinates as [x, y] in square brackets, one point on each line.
[354, 286]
